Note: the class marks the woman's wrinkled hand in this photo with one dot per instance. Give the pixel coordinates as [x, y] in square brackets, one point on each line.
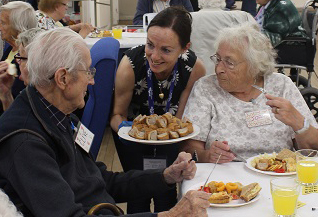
[220, 148]
[192, 204]
[182, 168]
[285, 112]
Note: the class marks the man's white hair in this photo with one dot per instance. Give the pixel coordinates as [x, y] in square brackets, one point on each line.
[7, 208]
[211, 4]
[22, 15]
[52, 50]
[254, 46]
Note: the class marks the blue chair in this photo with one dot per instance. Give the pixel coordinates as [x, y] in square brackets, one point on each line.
[104, 55]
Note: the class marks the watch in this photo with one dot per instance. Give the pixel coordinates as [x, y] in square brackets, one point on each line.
[305, 127]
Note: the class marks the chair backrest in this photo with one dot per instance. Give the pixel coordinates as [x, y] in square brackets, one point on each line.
[146, 19]
[104, 56]
[205, 29]
[309, 18]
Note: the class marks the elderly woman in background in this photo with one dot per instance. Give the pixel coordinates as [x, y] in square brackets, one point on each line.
[156, 6]
[245, 107]
[15, 17]
[279, 19]
[146, 77]
[51, 11]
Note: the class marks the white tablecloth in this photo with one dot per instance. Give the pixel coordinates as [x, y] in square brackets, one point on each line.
[128, 40]
[236, 171]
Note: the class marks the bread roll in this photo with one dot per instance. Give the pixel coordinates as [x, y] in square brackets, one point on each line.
[140, 135]
[163, 136]
[183, 132]
[152, 135]
[132, 132]
[161, 122]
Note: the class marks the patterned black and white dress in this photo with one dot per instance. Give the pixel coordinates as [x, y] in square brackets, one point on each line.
[139, 103]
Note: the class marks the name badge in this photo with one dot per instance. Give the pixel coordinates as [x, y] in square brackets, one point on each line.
[258, 118]
[84, 137]
[154, 162]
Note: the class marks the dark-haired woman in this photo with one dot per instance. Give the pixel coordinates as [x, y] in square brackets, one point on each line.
[166, 66]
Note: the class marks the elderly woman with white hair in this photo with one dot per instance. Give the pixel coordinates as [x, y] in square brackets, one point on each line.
[245, 107]
[15, 17]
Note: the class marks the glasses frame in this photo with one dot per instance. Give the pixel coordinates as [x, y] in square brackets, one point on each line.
[91, 72]
[19, 58]
[226, 62]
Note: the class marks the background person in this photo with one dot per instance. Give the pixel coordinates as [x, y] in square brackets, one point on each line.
[171, 64]
[155, 6]
[15, 17]
[206, 26]
[226, 105]
[279, 19]
[40, 159]
[51, 11]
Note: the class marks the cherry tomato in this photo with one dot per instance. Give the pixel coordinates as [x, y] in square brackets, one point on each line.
[281, 170]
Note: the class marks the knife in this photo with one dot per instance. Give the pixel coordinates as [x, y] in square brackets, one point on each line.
[206, 181]
[238, 157]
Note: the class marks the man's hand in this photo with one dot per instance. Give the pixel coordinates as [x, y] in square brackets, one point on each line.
[182, 168]
[192, 204]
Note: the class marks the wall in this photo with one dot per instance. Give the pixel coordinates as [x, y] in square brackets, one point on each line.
[127, 9]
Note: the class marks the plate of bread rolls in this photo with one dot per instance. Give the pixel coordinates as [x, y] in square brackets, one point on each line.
[232, 194]
[159, 129]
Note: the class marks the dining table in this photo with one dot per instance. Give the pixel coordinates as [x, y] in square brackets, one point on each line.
[261, 206]
[128, 40]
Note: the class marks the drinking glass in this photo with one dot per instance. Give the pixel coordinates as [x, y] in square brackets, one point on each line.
[285, 193]
[307, 166]
[117, 32]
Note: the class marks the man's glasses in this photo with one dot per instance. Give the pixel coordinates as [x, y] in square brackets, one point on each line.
[228, 63]
[19, 58]
[91, 72]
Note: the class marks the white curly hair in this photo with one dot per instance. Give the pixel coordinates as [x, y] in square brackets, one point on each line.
[7, 208]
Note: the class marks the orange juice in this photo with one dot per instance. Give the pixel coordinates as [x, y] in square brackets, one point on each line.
[307, 171]
[117, 33]
[284, 201]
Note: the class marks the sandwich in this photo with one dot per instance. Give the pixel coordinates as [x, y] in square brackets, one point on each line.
[12, 69]
[250, 191]
[285, 153]
[220, 197]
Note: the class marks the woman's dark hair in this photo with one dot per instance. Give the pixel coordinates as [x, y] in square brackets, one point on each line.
[176, 18]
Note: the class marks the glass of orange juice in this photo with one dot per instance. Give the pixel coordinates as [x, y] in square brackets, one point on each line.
[285, 193]
[307, 166]
[117, 32]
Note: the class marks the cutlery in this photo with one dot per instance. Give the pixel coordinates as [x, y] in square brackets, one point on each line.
[238, 157]
[206, 181]
[194, 157]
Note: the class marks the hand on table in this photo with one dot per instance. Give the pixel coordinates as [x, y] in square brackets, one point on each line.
[217, 148]
[285, 112]
[180, 169]
[192, 204]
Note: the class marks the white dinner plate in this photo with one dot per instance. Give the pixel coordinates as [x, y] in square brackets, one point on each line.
[248, 165]
[123, 133]
[232, 203]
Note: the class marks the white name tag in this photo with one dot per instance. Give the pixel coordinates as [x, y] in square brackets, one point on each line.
[154, 163]
[258, 118]
[84, 137]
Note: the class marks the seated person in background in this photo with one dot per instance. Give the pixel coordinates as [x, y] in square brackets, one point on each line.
[51, 11]
[206, 26]
[15, 17]
[279, 19]
[245, 89]
[155, 6]
[40, 159]
[164, 62]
